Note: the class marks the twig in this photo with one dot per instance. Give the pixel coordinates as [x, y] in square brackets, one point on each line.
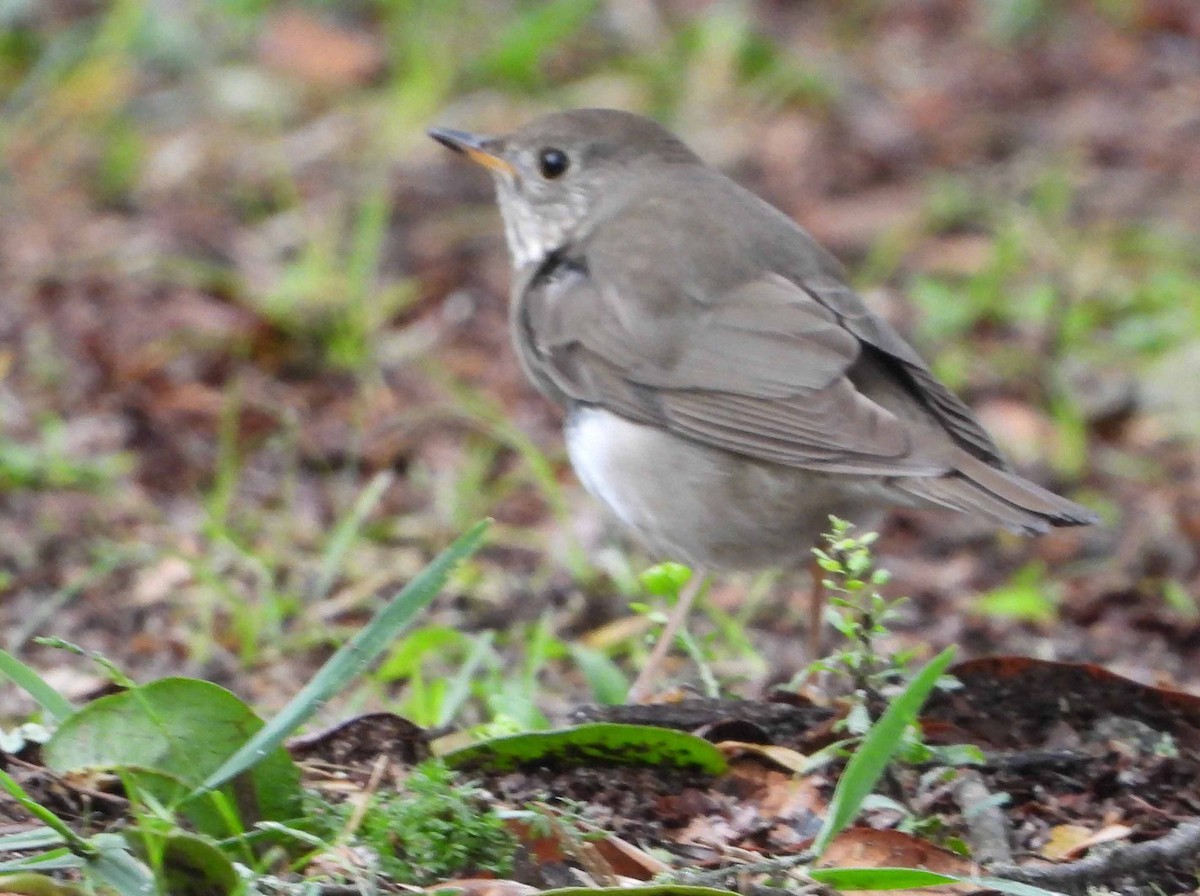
[362, 800]
[987, 826]
[769, 866]
[1182, 845]
[594, 864]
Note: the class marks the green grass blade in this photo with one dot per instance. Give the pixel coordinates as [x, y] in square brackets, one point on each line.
[876, 750]
[521, 46]
[60, 859]
[117, 868]
[458, 690]
[352, 658]
[347, 530]
[36, 838]
[54, 703]
[76, 843]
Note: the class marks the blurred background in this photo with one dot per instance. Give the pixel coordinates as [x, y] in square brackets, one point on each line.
[255, 367]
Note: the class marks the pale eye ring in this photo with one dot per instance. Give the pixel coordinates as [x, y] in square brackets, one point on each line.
[552, 162]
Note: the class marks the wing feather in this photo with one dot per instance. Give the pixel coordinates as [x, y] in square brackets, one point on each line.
[762, 372]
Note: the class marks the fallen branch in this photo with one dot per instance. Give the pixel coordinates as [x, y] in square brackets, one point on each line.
[1181, 846]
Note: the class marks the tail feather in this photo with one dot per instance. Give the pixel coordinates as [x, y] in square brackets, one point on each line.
[1004, 498]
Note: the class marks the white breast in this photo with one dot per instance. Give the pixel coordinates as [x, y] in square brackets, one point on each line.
[701, 505]
[614, 459]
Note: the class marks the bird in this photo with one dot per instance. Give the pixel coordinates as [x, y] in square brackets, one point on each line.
[725, 390]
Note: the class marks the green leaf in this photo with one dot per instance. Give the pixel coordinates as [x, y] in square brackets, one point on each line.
[878, 746]
[665, 579]
[55, 705]
[880, 878]
[115, 866]
[959, 754]
[353, 657]
[407, 656]
[28, 884]
[591, 744]
[1028, 596]
[653, 890]
[168, 736]
[195, 866]
[911, 878]
[605, 678]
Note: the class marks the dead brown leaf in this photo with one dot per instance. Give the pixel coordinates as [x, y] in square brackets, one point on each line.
[861, 847]
[312, 49]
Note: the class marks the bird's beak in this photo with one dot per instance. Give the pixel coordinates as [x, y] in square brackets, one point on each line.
[484, 150]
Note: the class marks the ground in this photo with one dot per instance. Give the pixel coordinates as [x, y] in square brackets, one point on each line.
[255, 369]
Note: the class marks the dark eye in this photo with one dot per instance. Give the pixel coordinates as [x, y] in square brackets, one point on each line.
[552, 162]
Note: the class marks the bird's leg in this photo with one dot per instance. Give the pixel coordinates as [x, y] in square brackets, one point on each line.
[642, 685]
[816, 609]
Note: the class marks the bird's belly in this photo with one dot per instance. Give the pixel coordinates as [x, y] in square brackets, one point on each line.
[702, 505]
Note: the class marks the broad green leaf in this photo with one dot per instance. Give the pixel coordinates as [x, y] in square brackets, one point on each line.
[876, 750]
[601, 742]
[880, 878]
[913, 878]
[168, 736]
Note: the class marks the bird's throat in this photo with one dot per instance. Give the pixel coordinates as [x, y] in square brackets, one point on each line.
[533, 233]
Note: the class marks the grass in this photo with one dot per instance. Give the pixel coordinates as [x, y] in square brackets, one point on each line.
[1074, 289]
[50, 463]
[286, 553]
[1063, 287]
[178, 745]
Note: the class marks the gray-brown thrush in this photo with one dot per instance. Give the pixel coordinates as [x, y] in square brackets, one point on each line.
[726, 391]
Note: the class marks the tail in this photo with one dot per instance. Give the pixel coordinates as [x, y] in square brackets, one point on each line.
[1004, 498]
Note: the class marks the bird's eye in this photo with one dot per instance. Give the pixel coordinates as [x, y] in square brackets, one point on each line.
[552, 162]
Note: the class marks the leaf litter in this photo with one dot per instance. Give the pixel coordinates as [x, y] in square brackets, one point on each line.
[181, 379]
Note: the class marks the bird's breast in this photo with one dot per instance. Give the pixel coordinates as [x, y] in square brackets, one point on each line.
[700, 505]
